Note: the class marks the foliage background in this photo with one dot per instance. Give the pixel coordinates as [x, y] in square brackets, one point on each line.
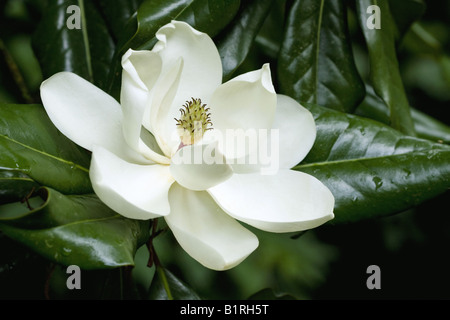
[329, 262]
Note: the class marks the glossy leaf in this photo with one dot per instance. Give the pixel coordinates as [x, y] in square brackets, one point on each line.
[235, 43]
[204, 15]
[14, 185]
[384, 68]
[270, 36]
[405, 13]
[75, 229]
[164, 283]
[86, 51]
[316, 62]
[371, 169]
[425, 126]
[30, 143]
[117, 13]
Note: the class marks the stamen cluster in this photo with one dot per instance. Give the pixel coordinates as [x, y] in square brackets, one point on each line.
[194, 121]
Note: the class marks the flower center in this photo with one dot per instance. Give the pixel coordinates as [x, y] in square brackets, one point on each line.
[194, 122]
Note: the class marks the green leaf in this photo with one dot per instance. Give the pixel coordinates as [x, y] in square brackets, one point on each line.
[165, 286]
[235, 42]
[425, 126]
[270, 36]
[30, 143]
[405, 13]
[86, 51]
[151, 15]
[384, 68]
[204, 15]
[14, 185]
[76, 229]
[316, 63]
[372, 169]
[117, 13]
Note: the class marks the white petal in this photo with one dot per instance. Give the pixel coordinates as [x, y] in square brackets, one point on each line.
[80, 110]
[297, 131]
[205, 232]
[199, 167]
[85, 114]
[245, 104]
[286, 202]
[141, 70]
[134, 191]
[202, 70]
[165, 131]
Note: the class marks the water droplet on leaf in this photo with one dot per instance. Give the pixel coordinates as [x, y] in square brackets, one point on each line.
[378, 182]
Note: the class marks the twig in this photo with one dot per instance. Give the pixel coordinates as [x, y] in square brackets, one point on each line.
[47, 281]
[16, 74]
[27, 197]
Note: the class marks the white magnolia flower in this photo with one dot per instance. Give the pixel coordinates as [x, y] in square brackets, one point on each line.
[136, 147]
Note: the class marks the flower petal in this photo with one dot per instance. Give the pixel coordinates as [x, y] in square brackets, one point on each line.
[134, 191]
[286, 202]
[141, 70]
[202, 68]
[297, 131]
[199, 167]
[165, 91]
[202, 72]
[207, 233]
[243, 104]
[81, 111]
[85, 114]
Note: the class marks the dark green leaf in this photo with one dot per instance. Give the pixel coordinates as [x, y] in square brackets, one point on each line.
[165, 286]
[384, 68]
[270, 36]
[316, 62]
[151, 15]
[117, 13]
[76, 229]
[204, 15]
[31, 144]
[371, 169]
[425, 126]
[234, 45]
[209, 16]
[405, 13]
[86, 51]
[14, 185]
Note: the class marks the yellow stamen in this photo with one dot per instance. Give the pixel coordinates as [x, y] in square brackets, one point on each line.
[194, 121]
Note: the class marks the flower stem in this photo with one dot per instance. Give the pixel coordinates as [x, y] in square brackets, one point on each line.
[162, 275]
[154, 260]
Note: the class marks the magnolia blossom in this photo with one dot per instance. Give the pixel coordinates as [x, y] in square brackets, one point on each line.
[173, 104]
